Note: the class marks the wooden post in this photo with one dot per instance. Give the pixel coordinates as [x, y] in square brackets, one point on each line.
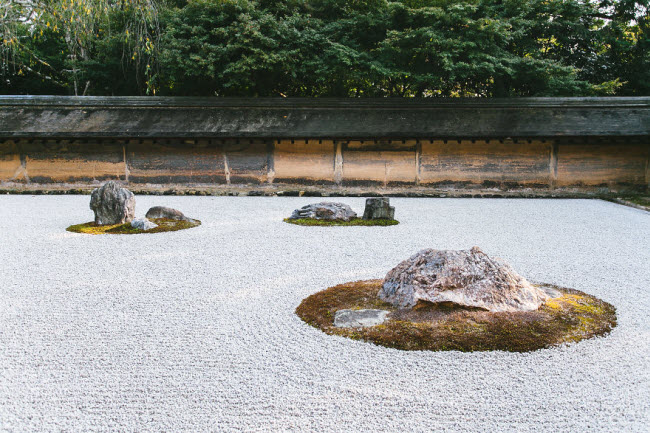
[647, 171]
[270, 162]
[338, 162]
[418, 160]
[553, 164]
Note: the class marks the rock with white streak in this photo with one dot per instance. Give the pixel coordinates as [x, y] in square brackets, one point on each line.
[467, 277]
[359, 318]
[143, 224]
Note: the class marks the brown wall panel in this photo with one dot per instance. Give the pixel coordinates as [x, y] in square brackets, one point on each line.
[379, 161]
[10, 166]
[558, 163]
[602, 163]
[297, 161]
[175, 161]
[52, 161]
[485, 162]
[247, 159]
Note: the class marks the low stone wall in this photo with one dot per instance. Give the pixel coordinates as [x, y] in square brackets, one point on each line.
[552, 165]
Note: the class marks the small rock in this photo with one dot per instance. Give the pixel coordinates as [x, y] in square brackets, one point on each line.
[166, 212]
[359, 318]
[325, 211]
[468, 278]
[112, 204]
[378, 208]
[143, 224]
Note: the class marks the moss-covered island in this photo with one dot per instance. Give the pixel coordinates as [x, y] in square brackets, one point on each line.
[570, 317]
[164, 225]
[352, 222]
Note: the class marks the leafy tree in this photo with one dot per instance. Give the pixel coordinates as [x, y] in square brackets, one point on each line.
[395, 48]
[77, 27]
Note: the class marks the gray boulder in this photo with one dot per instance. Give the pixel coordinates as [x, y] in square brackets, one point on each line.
[143, 224]
[166, 212]
[378, 208]
[112, 204]
[468, 277]
[359, 318]
[325, 211]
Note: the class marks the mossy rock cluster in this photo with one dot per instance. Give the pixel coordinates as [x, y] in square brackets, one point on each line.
[571, 317]
[352, 222]
[164, 225]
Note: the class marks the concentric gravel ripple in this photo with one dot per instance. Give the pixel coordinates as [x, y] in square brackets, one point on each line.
[195, 330]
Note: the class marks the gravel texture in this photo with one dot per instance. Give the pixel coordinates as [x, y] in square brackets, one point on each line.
[195, 330]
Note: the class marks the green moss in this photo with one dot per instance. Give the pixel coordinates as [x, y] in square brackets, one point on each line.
[572, 317]
[164, 225]
[352, 222]
[640, 200]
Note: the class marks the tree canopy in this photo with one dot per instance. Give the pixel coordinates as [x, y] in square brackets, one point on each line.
[348, 48]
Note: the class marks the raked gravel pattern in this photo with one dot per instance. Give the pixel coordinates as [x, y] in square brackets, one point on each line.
[195, 330]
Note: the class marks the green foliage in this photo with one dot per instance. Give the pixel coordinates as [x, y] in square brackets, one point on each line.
[404, 48]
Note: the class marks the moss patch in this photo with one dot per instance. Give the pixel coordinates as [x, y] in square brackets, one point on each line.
[639, 200]
[164, 225]
[352, 222]
[572, 317]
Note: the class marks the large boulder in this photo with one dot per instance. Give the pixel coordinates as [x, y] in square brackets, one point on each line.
[468, 278]
[378, 208]
[325, 211]
[112, 204]
[166, 212]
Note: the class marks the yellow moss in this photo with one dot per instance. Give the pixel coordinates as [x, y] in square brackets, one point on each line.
[91, 229]
[164, 225]
[554, 304]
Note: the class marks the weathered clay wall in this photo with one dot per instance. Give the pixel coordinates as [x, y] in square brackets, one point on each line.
[519, 144]
[542, 165]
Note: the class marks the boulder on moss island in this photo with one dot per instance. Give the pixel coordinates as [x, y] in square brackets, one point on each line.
[112, 204]
[468, 278]
[378, 208]
[167, 213]
[325, 211]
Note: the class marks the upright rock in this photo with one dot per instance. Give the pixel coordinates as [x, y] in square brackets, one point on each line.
[112, 204]
[378, 209]
[468, 277]
[325, 211]
[166, 212]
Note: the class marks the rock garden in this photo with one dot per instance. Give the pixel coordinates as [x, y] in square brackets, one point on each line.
[457, 300]
[114, 208]
[378, 212]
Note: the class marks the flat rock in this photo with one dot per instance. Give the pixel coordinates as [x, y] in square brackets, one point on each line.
[166, 212]
[112, 204]
[467, 277]
[325, 211]
[378, 208]
[143, 224]
[359, 318]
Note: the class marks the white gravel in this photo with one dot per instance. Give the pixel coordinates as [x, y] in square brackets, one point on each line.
[195, 330]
